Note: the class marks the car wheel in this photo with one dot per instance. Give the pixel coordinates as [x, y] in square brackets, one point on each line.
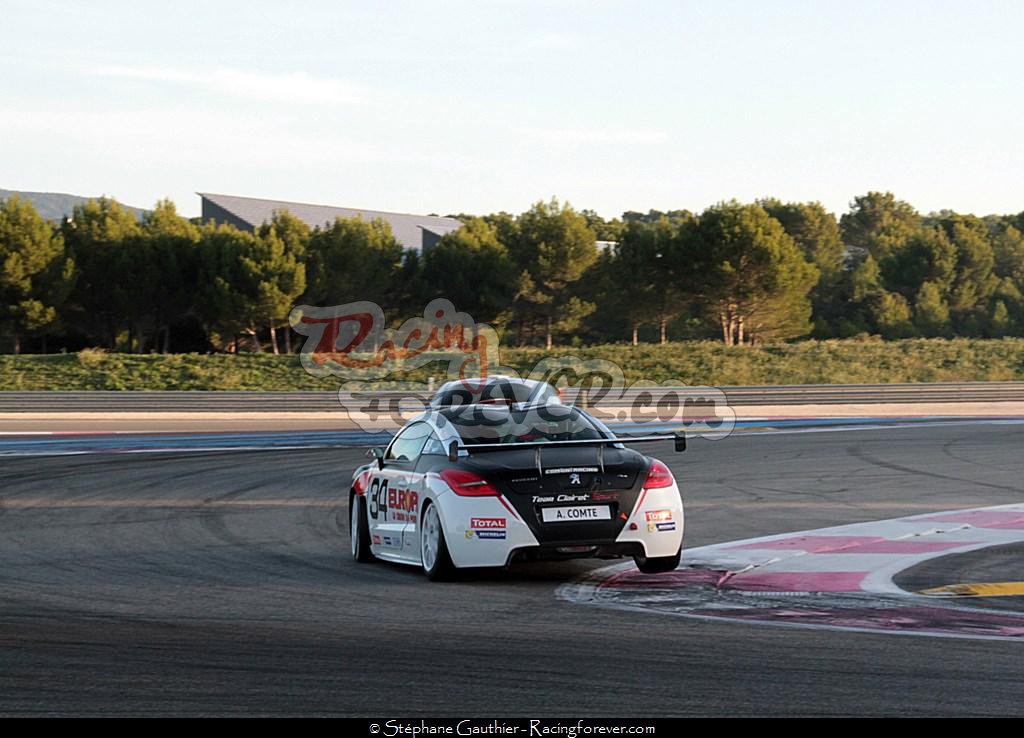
[359, 530]
[437, 563]
[658, 564]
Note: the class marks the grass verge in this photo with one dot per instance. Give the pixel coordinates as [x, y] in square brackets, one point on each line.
[693, 363]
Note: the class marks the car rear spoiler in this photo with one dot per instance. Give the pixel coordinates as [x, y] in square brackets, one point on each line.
[454, 447]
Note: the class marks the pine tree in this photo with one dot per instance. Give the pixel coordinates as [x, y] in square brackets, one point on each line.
[931, 311]
[756, 279]
[554, 248]
[35, 271]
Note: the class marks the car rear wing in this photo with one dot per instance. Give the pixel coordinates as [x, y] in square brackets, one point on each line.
[679, 439]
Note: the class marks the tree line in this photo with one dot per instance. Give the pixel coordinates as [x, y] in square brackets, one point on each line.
[742, 272]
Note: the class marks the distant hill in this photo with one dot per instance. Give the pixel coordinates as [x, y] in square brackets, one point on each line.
[55, 205]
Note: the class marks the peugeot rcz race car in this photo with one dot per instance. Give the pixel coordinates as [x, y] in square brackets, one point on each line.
[487, 484]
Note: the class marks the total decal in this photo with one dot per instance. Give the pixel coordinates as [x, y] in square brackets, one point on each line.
[487, 528]
[660, 520]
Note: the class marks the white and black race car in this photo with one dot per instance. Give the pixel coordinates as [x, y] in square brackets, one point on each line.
[487, 484]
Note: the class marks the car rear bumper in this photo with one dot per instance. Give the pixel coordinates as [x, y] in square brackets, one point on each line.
[488, 532]
[576, 550]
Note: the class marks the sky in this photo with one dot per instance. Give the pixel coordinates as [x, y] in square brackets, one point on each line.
[482, 106]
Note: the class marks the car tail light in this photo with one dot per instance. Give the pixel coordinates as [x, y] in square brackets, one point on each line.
[659, 476]
[468, 484]
[360, 484]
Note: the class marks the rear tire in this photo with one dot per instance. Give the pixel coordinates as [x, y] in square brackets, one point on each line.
[658, 564]
[359, 530]
[434, 556]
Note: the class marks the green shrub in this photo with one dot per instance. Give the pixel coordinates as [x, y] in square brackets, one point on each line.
[850, 361]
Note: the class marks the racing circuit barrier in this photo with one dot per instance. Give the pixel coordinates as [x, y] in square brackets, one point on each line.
[318, 402]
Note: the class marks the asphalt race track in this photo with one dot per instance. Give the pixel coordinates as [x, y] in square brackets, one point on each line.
[211, 583]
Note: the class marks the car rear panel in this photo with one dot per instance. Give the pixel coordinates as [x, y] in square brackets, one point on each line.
[588, 492]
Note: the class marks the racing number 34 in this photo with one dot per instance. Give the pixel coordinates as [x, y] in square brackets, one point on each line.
[379, 498]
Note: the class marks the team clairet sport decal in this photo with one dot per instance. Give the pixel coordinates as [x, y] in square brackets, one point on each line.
[487, 528]
[562, 498]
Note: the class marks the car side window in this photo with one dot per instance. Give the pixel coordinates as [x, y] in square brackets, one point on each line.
[434, 446]
[408, 443]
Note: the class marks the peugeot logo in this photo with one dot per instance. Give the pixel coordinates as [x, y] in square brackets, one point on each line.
[574, 479]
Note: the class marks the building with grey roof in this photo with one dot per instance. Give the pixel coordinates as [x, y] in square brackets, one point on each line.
[414, 232]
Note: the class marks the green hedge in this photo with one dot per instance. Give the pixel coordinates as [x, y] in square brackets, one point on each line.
[700, 362]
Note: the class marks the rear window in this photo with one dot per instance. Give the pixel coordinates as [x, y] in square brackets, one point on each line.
[499, 392]
[481, 424]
